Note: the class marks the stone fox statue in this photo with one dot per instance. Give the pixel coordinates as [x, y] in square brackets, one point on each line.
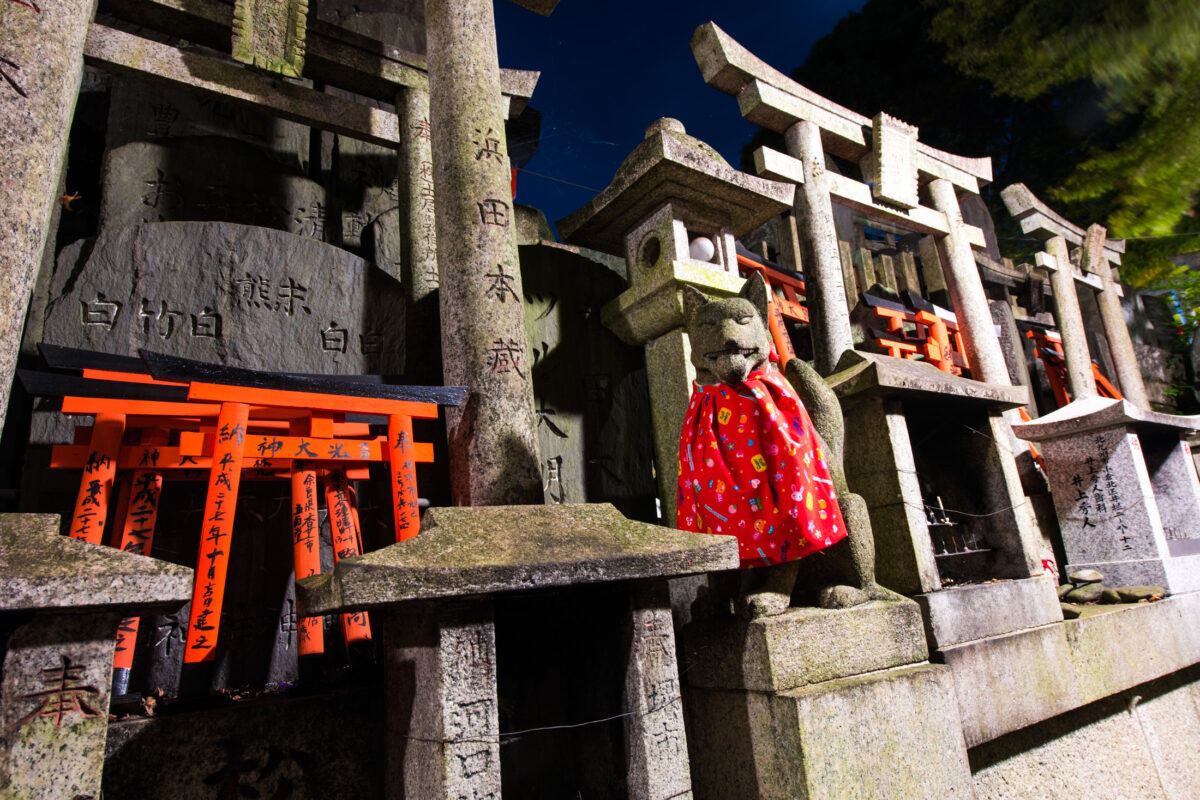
[753, 465]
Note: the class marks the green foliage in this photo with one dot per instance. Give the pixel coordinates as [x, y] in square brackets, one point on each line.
[1141, 170]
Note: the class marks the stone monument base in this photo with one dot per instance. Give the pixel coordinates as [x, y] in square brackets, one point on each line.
[803, 646]
[1176, 574]
[893, 734]
[960, 614]
[820, 702]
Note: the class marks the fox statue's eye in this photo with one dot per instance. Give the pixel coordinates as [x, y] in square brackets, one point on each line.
[743, 319]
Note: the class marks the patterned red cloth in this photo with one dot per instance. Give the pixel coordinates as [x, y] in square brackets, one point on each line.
[750, 465]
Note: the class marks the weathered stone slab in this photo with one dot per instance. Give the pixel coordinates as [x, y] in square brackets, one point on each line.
[485, 550]
[39, 570]
[1010, 682]
[230, 294]
[864, 372]
[891, 734]
[186, 179]
[960, 614]
[804, 646]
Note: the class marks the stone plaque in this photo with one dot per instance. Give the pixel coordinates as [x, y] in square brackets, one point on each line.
[1103, 497]
[230, 294]
[270, 34]
[894, 173]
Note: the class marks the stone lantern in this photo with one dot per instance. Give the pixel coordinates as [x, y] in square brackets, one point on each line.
[674, 210]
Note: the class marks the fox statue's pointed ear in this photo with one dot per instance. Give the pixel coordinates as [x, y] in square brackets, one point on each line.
[755, 290]
[693, 299]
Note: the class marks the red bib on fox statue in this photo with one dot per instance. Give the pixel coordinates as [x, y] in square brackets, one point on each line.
[751, 466]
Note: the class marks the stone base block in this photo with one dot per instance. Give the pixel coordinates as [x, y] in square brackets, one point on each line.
[804, 646]
[965, 613]
[1011, 682]
[1178, 575]
[891, 734]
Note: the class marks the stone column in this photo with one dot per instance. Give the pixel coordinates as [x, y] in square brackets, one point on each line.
[493, 442]
[1080, 378]
[822, 266]
[41, 66]
[1120, 346]
[55, 715]
[655, 747]
[443, 724]
[670, 373]
[966, 292]
[418, 246]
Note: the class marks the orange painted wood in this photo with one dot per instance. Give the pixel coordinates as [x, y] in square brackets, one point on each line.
[137, 536]
[346, 544]
[306, 551]
[91, 504]
[127, 377]
[315, 401]
[779, 334]
[213, 559]
[310, 449]
[403, 477]
[99, 405]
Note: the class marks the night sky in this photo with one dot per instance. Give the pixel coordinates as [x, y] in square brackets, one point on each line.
[609, 69]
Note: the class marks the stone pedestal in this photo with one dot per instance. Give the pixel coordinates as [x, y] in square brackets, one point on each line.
[818, 703]
[442, 719]
[443, 733]
[65, 599]
[1125, 491]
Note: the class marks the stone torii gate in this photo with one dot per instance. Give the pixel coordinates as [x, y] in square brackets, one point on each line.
[1098, 260]
[884, 397]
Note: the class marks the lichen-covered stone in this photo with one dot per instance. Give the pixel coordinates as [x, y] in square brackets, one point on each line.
[1088, 593]
[1136, 594]
[1085, 576]
[484, 550]
[39, 570]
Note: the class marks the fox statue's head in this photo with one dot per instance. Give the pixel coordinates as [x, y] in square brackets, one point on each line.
[729, 337]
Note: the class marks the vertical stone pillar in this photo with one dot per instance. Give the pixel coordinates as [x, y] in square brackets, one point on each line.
[822, 265]
[655, 747]
[1120, 346]
[669, 371]
[443, 724]
[966, 292]
[41, 66]
[54, 719]
[418, 246]
[1070, 321]
[493, 442]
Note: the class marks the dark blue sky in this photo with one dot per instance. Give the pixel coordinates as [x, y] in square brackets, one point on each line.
[609, 69]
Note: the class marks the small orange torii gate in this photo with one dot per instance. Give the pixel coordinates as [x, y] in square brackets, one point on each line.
[162, 416]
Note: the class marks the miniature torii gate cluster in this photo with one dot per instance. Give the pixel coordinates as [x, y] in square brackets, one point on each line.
[231, 425]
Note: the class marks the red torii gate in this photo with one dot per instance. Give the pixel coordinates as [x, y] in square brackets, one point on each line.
[230, 422]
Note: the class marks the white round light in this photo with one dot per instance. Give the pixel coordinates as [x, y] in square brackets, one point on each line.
[702, 248]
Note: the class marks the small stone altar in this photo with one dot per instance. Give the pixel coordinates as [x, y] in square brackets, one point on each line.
[62, 600]
[1125, 490]
[435, 594]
